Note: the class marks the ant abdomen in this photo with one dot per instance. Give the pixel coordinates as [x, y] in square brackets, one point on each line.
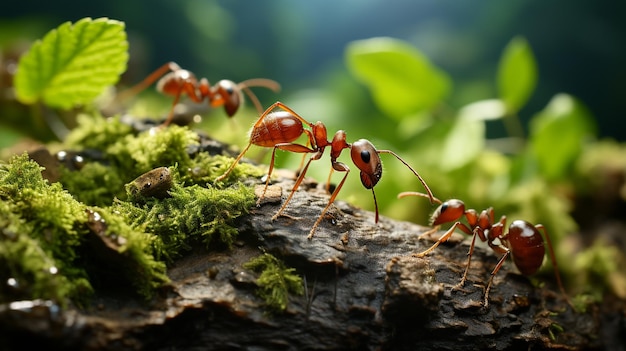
[277, 127]
[527, 248]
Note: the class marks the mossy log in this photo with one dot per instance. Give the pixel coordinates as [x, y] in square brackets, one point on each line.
[363, 291]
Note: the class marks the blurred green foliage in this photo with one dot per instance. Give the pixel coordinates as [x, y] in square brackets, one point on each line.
[401, 79]
[517, 75]
[521, 177]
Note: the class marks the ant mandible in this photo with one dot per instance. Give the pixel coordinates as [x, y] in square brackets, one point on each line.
[179, 82]
[279, 130]
[523, 240]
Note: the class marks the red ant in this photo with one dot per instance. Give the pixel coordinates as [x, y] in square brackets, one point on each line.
[523, 240]
[179, 82]
[279, 130]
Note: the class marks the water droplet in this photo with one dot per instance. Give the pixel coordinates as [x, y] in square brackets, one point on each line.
[61, 155]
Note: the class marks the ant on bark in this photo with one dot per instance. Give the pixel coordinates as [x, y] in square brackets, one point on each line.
[279, 129]
[175, 81]
[523, 240]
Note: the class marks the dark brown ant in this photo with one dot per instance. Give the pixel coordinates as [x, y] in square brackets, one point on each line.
[176, 81]
[279, 129]
[523, 240]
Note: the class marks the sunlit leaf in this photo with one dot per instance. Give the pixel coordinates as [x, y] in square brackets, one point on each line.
[484, 110]
[517, 74]
[400, 77]
[465, 140]
[73, 63]
[558, 133]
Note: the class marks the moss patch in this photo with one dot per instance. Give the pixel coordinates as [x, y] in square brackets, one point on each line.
[191, 214]
[63, 241]
[276, 281]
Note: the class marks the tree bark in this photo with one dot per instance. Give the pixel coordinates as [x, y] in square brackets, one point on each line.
[364, 291]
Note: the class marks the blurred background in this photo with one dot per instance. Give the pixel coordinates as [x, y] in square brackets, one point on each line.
[578, 47]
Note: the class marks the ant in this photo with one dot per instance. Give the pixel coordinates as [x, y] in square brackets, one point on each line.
[176, 81]
[279, 129]
[523, 240]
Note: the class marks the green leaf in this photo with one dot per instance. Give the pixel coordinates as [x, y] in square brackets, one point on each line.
[73, 64]
[483, 110]
[401, 79]
[558, 133]
[465, 140]
[517, 74]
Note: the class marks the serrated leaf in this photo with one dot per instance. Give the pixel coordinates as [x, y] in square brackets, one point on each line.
[517, 74]
[558, 134]
[73, 64]
[401, 79]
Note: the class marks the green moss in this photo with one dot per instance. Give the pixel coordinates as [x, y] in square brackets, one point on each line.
[44, 242]
[40, 232]
[52, 247]
[27, 270]
[276, 281]
[135, 155]
[94, 184]
[599, 268]
[204, 169]
[96, 132]
[130, 154]
[191, 214]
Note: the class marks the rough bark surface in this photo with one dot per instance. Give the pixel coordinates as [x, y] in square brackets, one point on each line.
[364, 291]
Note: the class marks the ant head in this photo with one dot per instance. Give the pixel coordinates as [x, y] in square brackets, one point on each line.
[230, 96]
[365, 157]
[174, 82]
[448, 211]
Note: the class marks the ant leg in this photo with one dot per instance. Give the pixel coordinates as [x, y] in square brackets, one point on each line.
[232, 166]
[269, 176]
[506, 252]
[308, 144]
[339, 167]
[467, 266]
[429, 232]
[443, 238]
[146, 82]
[328, 180]
[554, 264]
[170, 115]
[299, 180]
[190, 90]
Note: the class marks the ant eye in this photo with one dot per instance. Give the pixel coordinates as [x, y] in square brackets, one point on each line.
[365, 156]
[444, 206]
